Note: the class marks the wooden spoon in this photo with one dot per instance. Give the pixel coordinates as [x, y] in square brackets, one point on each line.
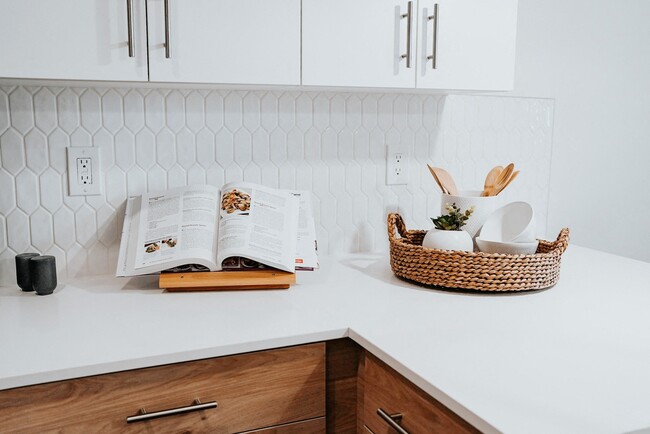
[433, 173]
[502, 179]
[490, 180]
[512, 178]
[446, 180]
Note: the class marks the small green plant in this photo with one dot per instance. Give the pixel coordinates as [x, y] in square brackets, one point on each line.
[453, 221]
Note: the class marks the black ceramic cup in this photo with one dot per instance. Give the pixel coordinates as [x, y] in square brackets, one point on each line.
[22, 271]
[42, 270]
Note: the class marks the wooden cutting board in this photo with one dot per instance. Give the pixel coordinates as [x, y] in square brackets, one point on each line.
[226, 280]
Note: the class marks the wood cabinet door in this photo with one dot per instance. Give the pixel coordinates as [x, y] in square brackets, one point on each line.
[252, 391]
[383, 388]
[73, 39]
[224, 41]
[312, 426]
[474, 46]
[357, 43]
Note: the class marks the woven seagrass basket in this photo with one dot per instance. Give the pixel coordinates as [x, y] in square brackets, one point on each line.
[472, 270]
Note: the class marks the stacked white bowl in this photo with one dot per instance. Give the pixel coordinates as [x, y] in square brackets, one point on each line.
[510, 230]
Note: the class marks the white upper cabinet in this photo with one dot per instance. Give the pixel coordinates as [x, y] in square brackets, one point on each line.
[73, 39]
[358, 43]
[363, 43]
[337, 43]
[224, 41]
[473, 48]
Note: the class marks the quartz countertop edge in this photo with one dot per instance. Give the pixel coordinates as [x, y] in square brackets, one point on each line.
[48, 376]
[569, 359]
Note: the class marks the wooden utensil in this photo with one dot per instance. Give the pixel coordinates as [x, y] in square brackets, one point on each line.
[491, 179]
[433, 173]
[505, 175]
[446, 180]
[512, 178]
[502, 179]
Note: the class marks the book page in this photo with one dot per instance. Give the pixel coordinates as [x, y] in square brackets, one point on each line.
[177, 225]
[258, 223]
[306, 245]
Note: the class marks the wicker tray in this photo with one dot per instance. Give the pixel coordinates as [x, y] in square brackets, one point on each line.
[472, 270]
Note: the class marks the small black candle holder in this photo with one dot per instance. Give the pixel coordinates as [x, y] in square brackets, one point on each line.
[42, 270]
[23, 276]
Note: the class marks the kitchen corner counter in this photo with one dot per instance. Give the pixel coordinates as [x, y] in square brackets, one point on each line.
[574, 358]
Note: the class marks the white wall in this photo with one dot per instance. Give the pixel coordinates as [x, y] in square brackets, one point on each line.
[593, 58]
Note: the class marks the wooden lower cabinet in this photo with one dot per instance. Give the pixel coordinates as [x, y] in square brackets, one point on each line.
[266, 392]
[334, 387]
[381, 387]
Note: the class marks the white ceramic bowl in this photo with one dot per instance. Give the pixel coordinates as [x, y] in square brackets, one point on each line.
[489, 246]
[512, 223]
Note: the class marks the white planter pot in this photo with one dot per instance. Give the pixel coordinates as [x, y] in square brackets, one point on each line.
[483, 207]
[448, 240]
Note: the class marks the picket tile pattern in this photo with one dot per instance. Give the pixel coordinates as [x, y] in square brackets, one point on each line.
[333, 144]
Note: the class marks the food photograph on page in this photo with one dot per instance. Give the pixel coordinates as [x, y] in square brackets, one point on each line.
[235, 201]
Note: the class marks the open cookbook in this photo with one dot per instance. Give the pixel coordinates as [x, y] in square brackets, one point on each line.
[240, 226]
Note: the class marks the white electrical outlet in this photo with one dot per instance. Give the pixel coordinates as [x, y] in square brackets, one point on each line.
[397, 165]
[84, 172]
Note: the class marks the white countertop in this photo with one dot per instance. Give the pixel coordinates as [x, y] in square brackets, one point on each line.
[574, 358]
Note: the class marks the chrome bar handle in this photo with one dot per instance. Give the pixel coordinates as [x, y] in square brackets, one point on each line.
[129, 23]
[434, 43]
[196, 406]
[168, 51]
[392, 420]
[409, 23]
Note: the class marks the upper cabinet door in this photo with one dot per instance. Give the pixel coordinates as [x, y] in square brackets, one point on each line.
[73, 39]
[224, 41]
[473, 45]
[358, 43]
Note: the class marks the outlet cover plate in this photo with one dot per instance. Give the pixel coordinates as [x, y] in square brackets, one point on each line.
[397, 165]
[84, 171]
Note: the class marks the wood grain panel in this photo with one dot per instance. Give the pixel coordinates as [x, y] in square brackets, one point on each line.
[226, 280]
[384, 388]
[342, 370]
[253, 390]
[313, 426]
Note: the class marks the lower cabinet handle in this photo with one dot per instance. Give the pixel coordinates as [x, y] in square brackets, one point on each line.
[196, 406]
[391, 420]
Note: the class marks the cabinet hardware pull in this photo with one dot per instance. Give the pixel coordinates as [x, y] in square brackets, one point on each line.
[392, 420]
[409, 22]
[129, 23]
[168, 52]
[434, 42]
[197, 405]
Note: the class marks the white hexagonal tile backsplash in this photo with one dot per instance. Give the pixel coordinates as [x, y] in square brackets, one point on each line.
[332, 144]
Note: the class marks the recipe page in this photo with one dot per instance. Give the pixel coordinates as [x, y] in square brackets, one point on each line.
[306, 244]
[258, 223]
[176, 225]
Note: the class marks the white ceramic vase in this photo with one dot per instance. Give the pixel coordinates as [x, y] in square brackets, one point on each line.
[448, 240]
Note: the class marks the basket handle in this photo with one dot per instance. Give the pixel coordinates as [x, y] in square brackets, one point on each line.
[562, 241]
[395, 221]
